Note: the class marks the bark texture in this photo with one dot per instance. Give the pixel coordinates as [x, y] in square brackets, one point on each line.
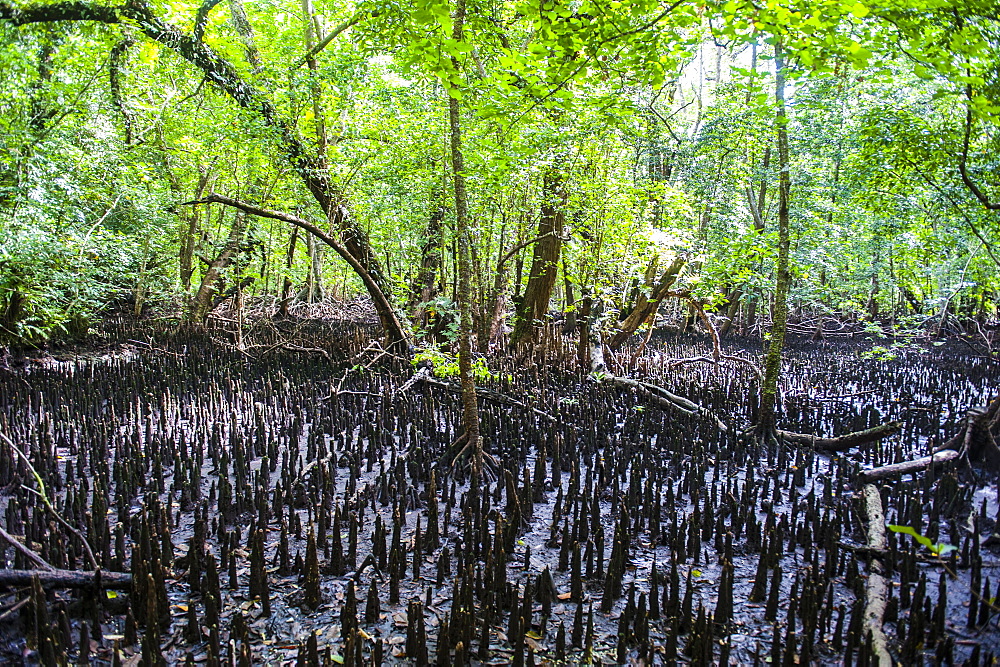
[424, 287]
[202, 302]
[544, 259]
[470, 404]
[779, 323]
[646, 306]
[876, 588]
[66, 579]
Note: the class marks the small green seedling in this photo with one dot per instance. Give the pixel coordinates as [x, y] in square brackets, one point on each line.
[940, 549]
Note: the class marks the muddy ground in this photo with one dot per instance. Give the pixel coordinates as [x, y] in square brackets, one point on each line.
[132, 433]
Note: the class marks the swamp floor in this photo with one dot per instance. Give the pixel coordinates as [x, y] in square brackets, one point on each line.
[614, 532]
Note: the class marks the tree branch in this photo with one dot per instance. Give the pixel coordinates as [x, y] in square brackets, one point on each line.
[25, 551]
[963, 159]
[201, 18]
[316, 231]
[326, 41]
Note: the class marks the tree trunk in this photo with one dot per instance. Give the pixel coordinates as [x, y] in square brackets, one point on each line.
[734, 299]
[570, 326]
[201, 304]
[586, 308]
[545, 258]
[424, 287]
[493, 300]
[189, 218]
[757, 211]
[772, 361]
[312, 292]
[242, 25]
[470, 405]
[286, 283]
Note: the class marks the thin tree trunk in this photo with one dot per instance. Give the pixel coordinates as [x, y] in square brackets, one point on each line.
[313, 290]
[315, 89]
[470, 405]
[758, 212]
[189, 218]
[242, 24]
[570, 309]
[491, 310]
[286, 284]
[772, 361]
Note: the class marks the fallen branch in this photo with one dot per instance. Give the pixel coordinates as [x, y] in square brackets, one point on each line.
[291, 347]
[820, 399]
[844, 442]
[875, 587]
[896, 469]
[25, 551]
[67, 579]
[674, 363]
[14, 608]
[663, 398]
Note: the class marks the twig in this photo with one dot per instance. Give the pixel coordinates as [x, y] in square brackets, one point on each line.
[20, 603]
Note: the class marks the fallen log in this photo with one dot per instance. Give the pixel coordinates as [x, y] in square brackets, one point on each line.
[669, 401]
[67, 579]
[844, 442]
[661, 397]
[875, 587]
[896, 469]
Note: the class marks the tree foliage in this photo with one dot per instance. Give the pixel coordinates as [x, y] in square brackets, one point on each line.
[660, 117]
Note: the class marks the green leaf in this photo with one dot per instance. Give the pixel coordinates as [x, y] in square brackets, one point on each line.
[912, 532]
[938, 549]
